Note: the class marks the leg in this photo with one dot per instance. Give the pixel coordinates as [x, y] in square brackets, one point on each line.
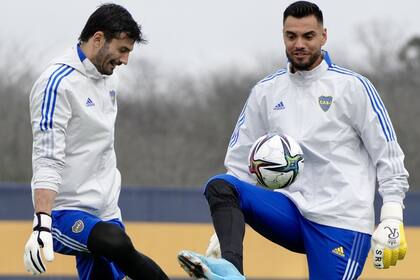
[71, 229]
[109, 240]
[334, 253]
[233, 202]
[96, 268]
[228, 220]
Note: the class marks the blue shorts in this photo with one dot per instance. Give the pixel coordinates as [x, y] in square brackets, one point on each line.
[71, 230]
[332, 253]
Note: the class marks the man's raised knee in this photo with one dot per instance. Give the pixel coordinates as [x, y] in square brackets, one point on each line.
[220, 193]
[109, 240]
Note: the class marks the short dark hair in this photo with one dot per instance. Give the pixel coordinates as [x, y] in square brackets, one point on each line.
[302, 9]
[112, 20]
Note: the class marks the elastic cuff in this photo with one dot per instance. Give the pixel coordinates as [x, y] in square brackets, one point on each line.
[42, 221]
[392, 210]
[45, 185]
[393, 198]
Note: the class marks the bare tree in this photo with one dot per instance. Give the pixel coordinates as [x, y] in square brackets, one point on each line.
[173, 128]
[180, 138]
[16, 140]
[394, 69]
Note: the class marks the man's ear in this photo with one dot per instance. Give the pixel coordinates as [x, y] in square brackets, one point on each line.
[98, 39]
[324, 36]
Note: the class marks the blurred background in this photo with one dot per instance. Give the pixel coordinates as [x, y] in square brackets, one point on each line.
[182, 92]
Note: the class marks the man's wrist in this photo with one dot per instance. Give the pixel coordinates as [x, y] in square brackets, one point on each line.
[42, 221]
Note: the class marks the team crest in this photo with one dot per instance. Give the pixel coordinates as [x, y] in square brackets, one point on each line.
[325, 102]
[78, 226]
[112, 95]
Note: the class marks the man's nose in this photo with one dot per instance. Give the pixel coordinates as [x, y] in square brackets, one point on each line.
[124, 59]
[299, 44]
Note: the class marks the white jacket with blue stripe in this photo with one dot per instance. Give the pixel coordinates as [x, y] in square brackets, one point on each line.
[73, 109]
[346, 136]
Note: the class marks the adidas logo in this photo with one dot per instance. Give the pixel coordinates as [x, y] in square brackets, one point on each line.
[339, 251]
[279, 106]
[89, 102]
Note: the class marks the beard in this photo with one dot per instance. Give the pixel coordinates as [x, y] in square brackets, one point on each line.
[101, 60]
[303, 66]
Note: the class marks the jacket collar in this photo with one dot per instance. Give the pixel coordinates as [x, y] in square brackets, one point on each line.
[76, 59]
[304, 77]
[89, 68]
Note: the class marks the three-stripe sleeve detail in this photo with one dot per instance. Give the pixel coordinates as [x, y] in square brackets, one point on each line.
[239, 123]
[272, 76]
[375, 101]
[50, 96]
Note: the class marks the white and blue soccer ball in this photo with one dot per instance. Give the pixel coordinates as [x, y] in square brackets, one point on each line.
[276, 160]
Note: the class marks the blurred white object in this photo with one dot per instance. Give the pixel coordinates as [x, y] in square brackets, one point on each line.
[213, 250]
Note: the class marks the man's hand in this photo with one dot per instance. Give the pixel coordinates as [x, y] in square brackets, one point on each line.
[388, 240]
[213, 250]
[40, 238]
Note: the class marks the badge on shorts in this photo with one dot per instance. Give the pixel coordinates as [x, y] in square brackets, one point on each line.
[325, 102]
[78, 226]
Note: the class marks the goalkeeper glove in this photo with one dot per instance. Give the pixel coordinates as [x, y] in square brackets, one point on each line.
[40, 238]
[213, 250]
[388, 240]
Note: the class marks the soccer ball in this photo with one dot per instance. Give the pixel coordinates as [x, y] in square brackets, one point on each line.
[276, 160]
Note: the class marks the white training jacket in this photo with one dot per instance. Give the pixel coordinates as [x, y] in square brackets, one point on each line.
[73, 110]
[346, 136]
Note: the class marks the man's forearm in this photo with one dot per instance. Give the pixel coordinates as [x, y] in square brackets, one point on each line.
[44, 199]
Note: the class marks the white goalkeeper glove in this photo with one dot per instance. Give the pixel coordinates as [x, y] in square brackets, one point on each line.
[40, 238]
[213, 250]
[388, 240]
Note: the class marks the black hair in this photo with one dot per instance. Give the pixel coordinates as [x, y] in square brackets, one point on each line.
[112, 20]
[302, 9]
